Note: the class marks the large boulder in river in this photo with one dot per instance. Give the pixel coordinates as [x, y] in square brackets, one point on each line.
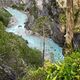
[13, 21]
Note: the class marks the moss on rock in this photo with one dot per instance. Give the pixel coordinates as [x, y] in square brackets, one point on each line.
[4, 16]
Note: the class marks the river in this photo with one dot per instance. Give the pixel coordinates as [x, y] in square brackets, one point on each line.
[52, 50]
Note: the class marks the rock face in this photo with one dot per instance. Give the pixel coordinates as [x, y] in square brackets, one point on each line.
[52, 9]
[76, 41]
[6, 73]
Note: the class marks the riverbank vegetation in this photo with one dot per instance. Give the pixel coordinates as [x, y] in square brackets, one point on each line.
[4, 16]
[14, 52]
[69, 69]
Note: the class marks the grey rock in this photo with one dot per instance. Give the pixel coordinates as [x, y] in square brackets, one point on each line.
[6, 73]
[76, 41]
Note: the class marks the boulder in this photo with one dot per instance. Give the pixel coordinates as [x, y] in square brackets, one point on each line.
[76, 41]
[13, 21]
[6, 73]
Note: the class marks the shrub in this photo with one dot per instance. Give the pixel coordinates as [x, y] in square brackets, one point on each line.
[4, 16]
[40, 23]
[15, 53]
[33, 74]
[69, 69]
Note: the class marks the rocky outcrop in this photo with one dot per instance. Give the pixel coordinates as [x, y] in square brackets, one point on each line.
[4, 3]
[76, 41]
[58, 36]
[54, 12]
[6, 73]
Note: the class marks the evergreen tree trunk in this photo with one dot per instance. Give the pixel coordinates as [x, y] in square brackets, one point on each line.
[69, 26]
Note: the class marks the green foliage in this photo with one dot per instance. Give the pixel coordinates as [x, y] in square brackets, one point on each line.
[76, 15]
[14, 45]
[69, 69]
[4, 16]
[2, 27]
[77, 29]
[41, 22]
[15, 53]
[33, 74]
[34, 10]
[19, 6]
[62, 18]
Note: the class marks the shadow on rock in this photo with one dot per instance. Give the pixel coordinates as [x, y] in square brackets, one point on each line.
[6, 73]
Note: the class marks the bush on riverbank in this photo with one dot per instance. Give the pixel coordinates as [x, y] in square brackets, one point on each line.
[19, 6]
[69, 69]
[4, 16]
[15, 53]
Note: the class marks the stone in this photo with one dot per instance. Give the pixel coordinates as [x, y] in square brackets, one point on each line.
[6, 73]
[76, 41]
[13, 21]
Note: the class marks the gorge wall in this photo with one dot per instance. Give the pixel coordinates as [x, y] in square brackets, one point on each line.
[55, 11]
[52, 10]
